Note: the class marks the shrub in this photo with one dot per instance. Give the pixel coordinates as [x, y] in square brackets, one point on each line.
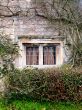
[46, 84]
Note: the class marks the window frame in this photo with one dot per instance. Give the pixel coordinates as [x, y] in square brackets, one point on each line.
[41, 47]
[24, 40]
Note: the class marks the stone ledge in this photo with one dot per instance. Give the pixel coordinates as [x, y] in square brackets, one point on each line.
[42, 37]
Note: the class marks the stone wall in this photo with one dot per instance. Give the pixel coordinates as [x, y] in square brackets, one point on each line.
[23, 26]
[28, 23]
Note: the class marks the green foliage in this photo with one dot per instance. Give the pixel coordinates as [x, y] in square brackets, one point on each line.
[36, 105]
[8, 52]
[6, 46]
[46, 84]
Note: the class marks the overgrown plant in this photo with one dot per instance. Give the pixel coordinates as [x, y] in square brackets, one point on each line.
[45, 84]
[8, 52]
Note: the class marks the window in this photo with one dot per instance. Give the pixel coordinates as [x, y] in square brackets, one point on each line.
[49, 55]
[40, 54]
[32, 55]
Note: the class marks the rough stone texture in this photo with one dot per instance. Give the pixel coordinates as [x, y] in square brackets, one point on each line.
[30, 25]
[23, 26]
[31, 20]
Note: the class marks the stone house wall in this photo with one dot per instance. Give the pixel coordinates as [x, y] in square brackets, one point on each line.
[30, 26]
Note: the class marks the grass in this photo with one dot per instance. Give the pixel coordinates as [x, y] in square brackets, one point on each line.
[35, 105]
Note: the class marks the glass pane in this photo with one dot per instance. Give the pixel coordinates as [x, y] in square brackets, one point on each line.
[49, 55]
[32, 55]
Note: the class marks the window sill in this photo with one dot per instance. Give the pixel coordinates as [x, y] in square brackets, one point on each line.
[42, 66]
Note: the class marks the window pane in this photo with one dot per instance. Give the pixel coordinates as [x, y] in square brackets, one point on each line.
[32, 55]
[49, 55]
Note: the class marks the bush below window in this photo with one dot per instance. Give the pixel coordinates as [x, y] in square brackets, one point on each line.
[46, 84]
